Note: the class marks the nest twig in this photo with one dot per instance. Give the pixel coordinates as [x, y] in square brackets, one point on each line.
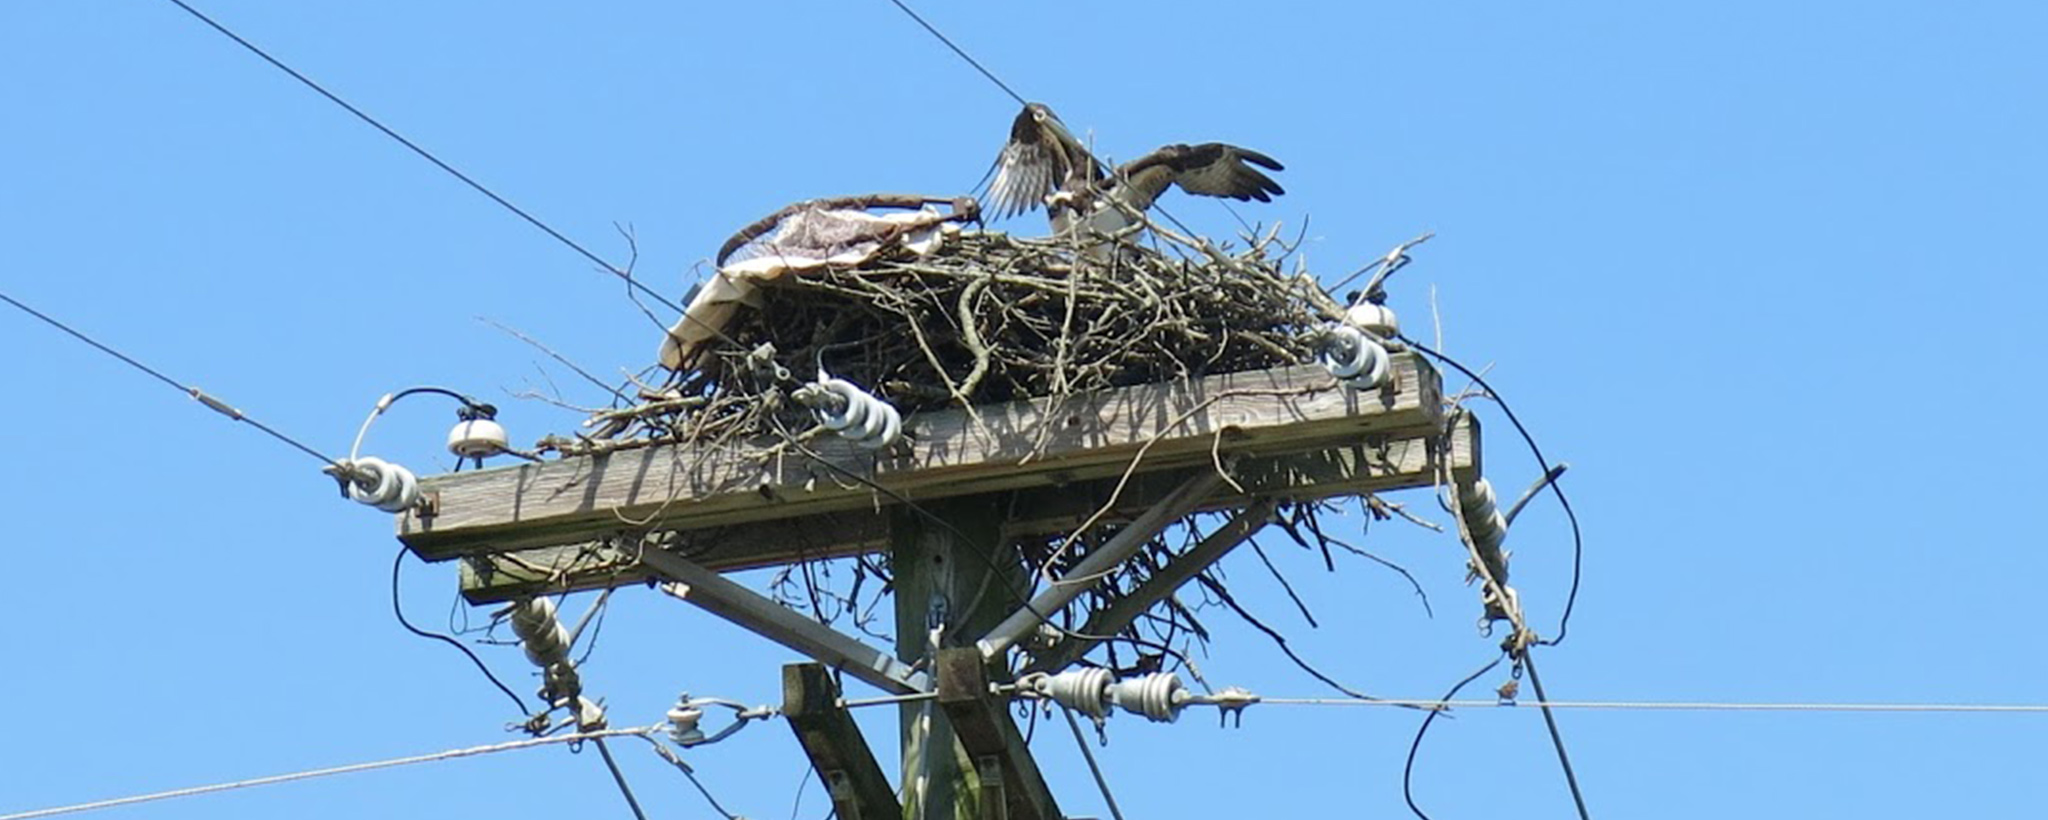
[989, 318]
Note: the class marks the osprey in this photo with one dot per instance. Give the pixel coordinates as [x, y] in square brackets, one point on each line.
[1044, 164]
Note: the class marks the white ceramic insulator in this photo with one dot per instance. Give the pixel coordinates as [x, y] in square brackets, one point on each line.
[1378, 320]
[1482, 515]
[540, 633]
[868, 422]
[390, 487]
[1355, 357]
[1082, 690]
[1158, 696]
[477, 438]
[682, 724]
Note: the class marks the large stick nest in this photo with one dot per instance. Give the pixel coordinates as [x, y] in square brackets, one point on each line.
[991, 317]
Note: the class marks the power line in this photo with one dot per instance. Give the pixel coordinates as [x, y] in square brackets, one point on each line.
[399, 611]
[1668, 705]
[1571, 778]
[452, 170]
[1101, 782]
[1437, 704]
[195, 393]
[619, 777]
[1415, 746]
[948, 41]
[1578, 540]
[436, 757]
[957, 50]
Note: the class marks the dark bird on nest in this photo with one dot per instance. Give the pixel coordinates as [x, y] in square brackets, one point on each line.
[1044, 164]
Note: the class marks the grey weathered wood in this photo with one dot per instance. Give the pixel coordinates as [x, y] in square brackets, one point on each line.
[950, 561]
[1112, 619]
[1104, 559]
[1376, 463]
[985, 730]
[1036, 443]
[838, 751]
[758, 614]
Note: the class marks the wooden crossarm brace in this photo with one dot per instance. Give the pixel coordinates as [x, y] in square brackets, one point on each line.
[838, 751]
[986, 731]
[757, 614]
[1105, 558]
[1114, 618]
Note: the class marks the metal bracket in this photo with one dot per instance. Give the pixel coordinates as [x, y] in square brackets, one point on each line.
[993, 804]
[841, 788]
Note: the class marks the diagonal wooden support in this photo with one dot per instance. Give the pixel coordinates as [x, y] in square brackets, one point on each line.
[1114, 618]
[756, 613]
[987, 733]
[1183, 500]
[834, 743]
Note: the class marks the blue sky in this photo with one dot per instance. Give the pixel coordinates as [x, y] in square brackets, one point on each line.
[1763, 273]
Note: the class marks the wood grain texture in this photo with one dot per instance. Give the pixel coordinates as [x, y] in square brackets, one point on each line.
[834, 743]
[1025, 444]
[1375, 463]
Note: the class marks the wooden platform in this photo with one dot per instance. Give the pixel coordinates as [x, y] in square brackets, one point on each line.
[1295, 433]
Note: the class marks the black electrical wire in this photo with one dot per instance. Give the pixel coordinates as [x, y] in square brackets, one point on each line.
[963, 54]
[619, 777]
[1578, 540]
[948, 41]
[195, 393]
[399, 611]
[1556, 740]
[1408, 769]
[452, 171]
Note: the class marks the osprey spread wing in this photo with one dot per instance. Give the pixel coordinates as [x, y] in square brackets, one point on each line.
[1042, 160]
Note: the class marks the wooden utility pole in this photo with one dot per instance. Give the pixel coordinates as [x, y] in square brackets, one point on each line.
[954, 577]
[976, 483]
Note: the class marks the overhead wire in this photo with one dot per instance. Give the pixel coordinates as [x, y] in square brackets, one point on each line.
[619, 777]
[1443, 704]
[1408, 768]
[1094, 769]
[399, 611]
[1677, 705]
[985, 72]
[1578, 539]
[659, 298]
[451, 754]
[194, 393]
[429, 156]
[1571, 778]
[962, 52]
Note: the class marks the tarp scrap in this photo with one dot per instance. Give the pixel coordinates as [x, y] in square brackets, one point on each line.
[804, 237]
